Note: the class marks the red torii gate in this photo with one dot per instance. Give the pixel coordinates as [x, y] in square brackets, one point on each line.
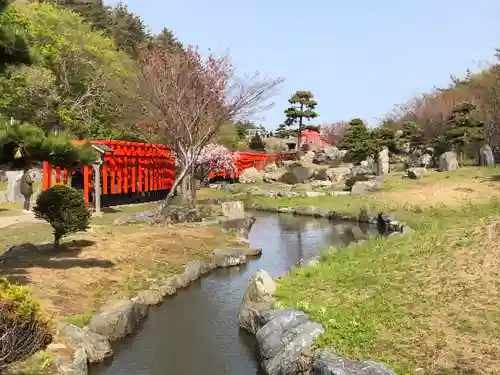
[123, 168]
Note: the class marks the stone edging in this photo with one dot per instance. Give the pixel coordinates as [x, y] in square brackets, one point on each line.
[285, 337]
[387, 220]
[117, 320]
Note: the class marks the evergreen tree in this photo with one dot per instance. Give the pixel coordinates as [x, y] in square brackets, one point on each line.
[384, 136]
[167, 39]
[463, 129]
[127, 29]
[256, 143]
[13, 46]
[411, 134]
[357, 141]
[93, 11]
[302, 107]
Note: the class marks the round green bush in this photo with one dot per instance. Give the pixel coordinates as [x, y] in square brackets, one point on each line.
[64, 208]
[23, 329]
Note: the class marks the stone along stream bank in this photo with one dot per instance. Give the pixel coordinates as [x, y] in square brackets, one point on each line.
[196, 331]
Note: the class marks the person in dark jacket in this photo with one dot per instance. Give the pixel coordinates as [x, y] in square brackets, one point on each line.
[26, 188]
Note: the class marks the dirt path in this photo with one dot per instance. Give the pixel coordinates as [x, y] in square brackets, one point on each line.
[7, 221]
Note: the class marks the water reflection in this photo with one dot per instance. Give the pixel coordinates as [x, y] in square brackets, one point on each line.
[196, 332]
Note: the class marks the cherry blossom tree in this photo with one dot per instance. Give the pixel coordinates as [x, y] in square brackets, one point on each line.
[192, 97]
[218, 155]
[335, 131]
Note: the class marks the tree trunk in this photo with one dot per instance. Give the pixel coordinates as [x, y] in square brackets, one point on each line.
[300, 130]
[160, 213]
[192, 197]
[57, 241]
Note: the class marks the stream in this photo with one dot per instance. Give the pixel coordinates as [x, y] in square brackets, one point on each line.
[196, 331]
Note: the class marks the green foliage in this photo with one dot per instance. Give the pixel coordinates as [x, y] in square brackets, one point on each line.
[64, 209]
[94, 12]
[357, 141]
[228, 137]
[31, 144]
[167, 39]
[13, 46]
[462, 128]
[20, 297]
[411, 133]
[127, 29]
[78, 80]
[384, 136]
[283, 132]
[242, 127]
[302, 107]
[256, 143]
[24, 330]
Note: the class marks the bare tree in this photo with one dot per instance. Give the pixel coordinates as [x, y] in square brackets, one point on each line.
[21, 335]
[334, 132]
[193, 97]
[487, 89]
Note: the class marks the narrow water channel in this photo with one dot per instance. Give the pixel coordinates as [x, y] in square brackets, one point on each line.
[196, 332]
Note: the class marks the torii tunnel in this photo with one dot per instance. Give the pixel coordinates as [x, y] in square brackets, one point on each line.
[127, 171]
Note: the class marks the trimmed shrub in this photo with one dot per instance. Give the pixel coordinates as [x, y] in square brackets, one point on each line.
[64, 208]
[23, 330]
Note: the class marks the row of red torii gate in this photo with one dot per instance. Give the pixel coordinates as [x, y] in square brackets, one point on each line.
[131, 172]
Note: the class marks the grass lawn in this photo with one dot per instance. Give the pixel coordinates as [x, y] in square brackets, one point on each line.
[105, 261]
[428, 303]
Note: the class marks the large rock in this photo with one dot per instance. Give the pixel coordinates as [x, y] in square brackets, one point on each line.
[119, 319]
[361, 170]
[258, 298]
[233, 210]
[424, 161]
[381, 167]
[302, 172]
[307, 158]
[250, 176]
[486, 156]
[95, 345]
[332, 174]
[284, 337]
[274, 176]
[13, 178]
[371, 185]
[239, 226]
[327, 363]
[193, 270]
[174, 214]
[228, 257]
[416, 173]
[270, 168]
[448, 162]
[79, 366]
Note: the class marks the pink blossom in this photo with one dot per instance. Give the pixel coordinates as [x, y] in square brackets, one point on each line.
[219, 156]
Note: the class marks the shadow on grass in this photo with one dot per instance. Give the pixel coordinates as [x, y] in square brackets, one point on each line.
[20, 259]
[110, 210]
[495, 178]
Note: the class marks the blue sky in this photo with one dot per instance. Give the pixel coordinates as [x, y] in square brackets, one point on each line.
[359, 58]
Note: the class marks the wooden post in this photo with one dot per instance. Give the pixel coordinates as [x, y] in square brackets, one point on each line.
[104, 172]
[58, 175]
[86, 184]
[97, 189]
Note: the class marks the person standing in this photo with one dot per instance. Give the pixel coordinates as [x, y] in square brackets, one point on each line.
[26, 188]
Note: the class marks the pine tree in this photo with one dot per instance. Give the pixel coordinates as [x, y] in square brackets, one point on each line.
[357, 141]
[463, 129]
[13, 47]
[302, 107]
[256, 143]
